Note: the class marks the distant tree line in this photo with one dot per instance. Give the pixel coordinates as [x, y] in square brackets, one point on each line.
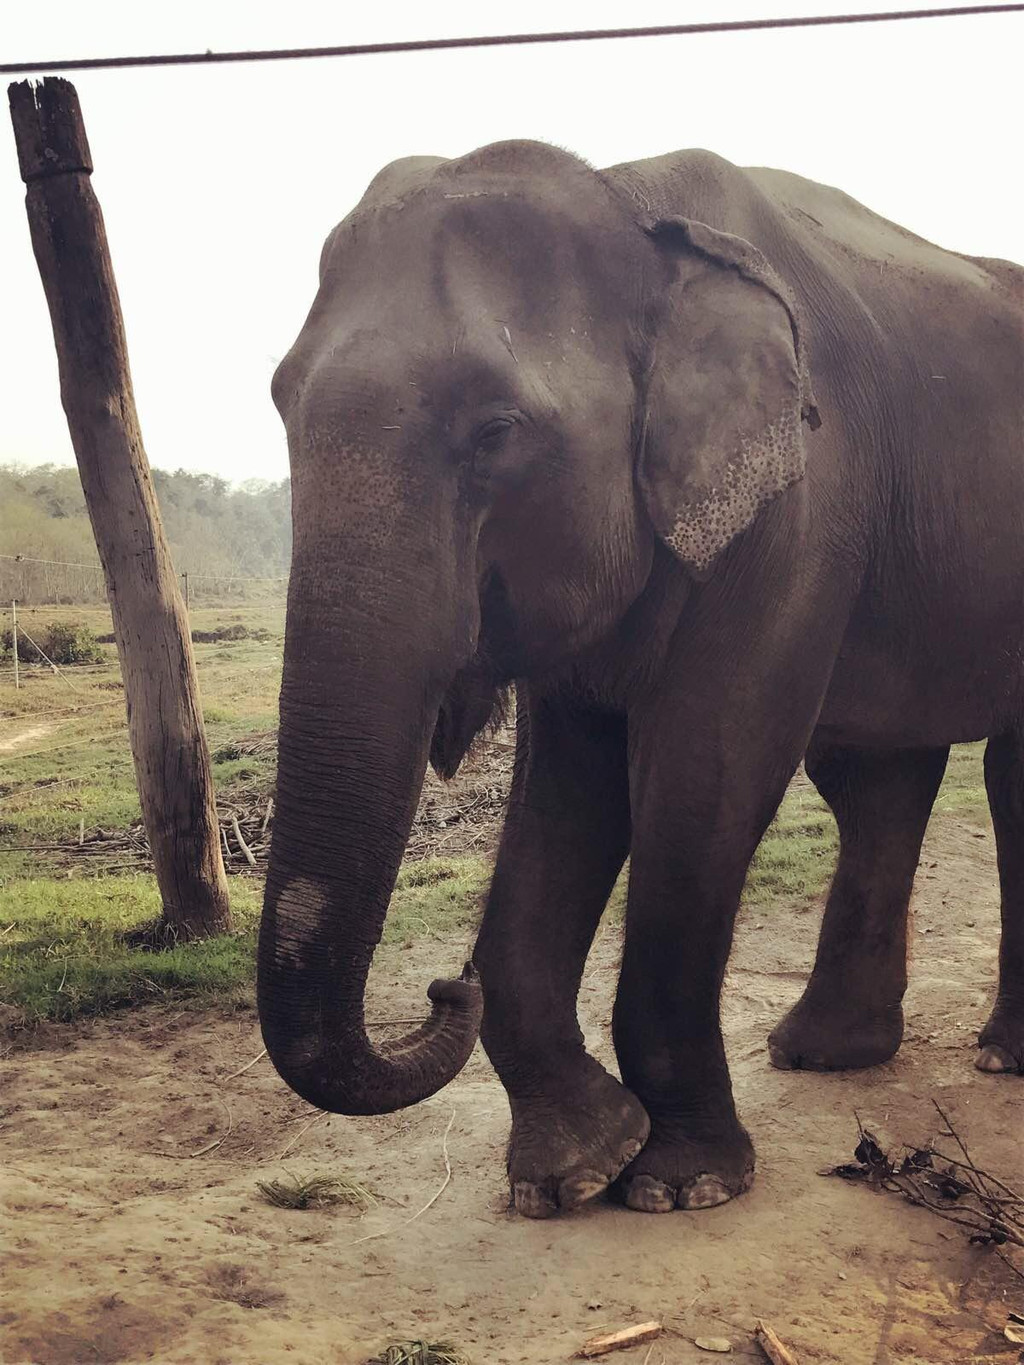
[222, 535]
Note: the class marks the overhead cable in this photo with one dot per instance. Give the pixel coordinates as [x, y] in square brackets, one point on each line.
[499, 40]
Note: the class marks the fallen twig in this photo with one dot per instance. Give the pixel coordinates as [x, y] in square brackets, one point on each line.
[246, 850]
[957, 1191]
[770, 1344]
[317, 1118]
[390, 1023]
[210, 1146]
[447, 1177]
[619, 1341]
[433, 1198]
[243, 1069]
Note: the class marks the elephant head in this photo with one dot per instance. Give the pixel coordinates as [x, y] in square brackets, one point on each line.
[508, 387]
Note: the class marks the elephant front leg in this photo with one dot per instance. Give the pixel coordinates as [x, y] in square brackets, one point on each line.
[566, 836]
[699, 811]
[668, 1037]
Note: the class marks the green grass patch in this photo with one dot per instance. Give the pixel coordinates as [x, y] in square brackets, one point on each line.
[435, 897]
[46, 809]
[63, 956]
[70, 759]
[232, 771]
[218, 715]
[62, 953]
[796, 857]
[963, 788]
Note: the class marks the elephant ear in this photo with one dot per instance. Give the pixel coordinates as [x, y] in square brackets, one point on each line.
[727, 391]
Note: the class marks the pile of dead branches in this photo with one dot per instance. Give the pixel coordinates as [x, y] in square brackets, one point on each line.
[465, 815]
[259, 744]
[954, 1188]
[244, 817]
[453, 818]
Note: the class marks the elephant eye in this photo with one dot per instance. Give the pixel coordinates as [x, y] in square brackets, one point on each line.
[491, 435]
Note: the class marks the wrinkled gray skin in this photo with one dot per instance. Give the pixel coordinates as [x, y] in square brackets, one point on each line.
[721, 469]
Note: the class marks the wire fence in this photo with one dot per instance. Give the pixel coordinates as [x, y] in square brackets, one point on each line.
[35, 580]
[24, 658]
[29, 732]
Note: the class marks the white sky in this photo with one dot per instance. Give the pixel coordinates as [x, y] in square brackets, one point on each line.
[219, 184]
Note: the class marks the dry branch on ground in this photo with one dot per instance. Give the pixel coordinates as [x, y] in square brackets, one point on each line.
[955, 1189]
[622, 1340]
[768, 1340]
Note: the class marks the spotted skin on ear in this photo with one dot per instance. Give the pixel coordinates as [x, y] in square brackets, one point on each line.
[762, 468]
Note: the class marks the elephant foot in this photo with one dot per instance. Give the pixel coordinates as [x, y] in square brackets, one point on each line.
[565, 1150]
[678, 1172]
[1001, 1043]
[813, 1038]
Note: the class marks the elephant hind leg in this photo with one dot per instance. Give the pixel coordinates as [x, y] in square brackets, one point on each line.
[850, 1014]
[1001, 1042]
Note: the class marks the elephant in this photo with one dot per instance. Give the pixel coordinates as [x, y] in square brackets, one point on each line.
[718, 471]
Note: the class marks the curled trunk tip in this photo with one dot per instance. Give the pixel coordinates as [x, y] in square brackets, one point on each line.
[340, 1070]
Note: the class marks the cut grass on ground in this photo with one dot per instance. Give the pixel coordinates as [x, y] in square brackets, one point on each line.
[315, 1189]
[419, 1353]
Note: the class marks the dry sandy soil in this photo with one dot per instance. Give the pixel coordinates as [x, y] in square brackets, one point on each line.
[131, 1238]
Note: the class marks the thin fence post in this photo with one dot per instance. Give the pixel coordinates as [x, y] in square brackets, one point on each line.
[14, 636]
[165, 719]
[187, 600]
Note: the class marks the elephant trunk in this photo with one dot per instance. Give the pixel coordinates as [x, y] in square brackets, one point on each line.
[364, 675]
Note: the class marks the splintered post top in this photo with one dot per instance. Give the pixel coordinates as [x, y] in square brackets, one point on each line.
[48, 129]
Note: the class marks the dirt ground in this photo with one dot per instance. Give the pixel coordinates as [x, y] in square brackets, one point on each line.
[134, 1230]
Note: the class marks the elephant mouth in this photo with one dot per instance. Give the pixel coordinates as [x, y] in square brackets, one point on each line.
[479, 698]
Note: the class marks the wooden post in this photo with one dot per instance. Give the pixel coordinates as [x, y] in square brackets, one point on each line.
[14, 633]
[187, 602]
[165, 721]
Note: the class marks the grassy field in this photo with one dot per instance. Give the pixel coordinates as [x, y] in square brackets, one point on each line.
[65, 766]
[76, 765]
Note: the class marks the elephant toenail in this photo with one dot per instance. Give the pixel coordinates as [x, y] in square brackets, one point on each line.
[531, 1202]
[578, 1188]
[705, 1192]
[781, 1060]
[647, 1195]
[631, 1149]
[994, 1058]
